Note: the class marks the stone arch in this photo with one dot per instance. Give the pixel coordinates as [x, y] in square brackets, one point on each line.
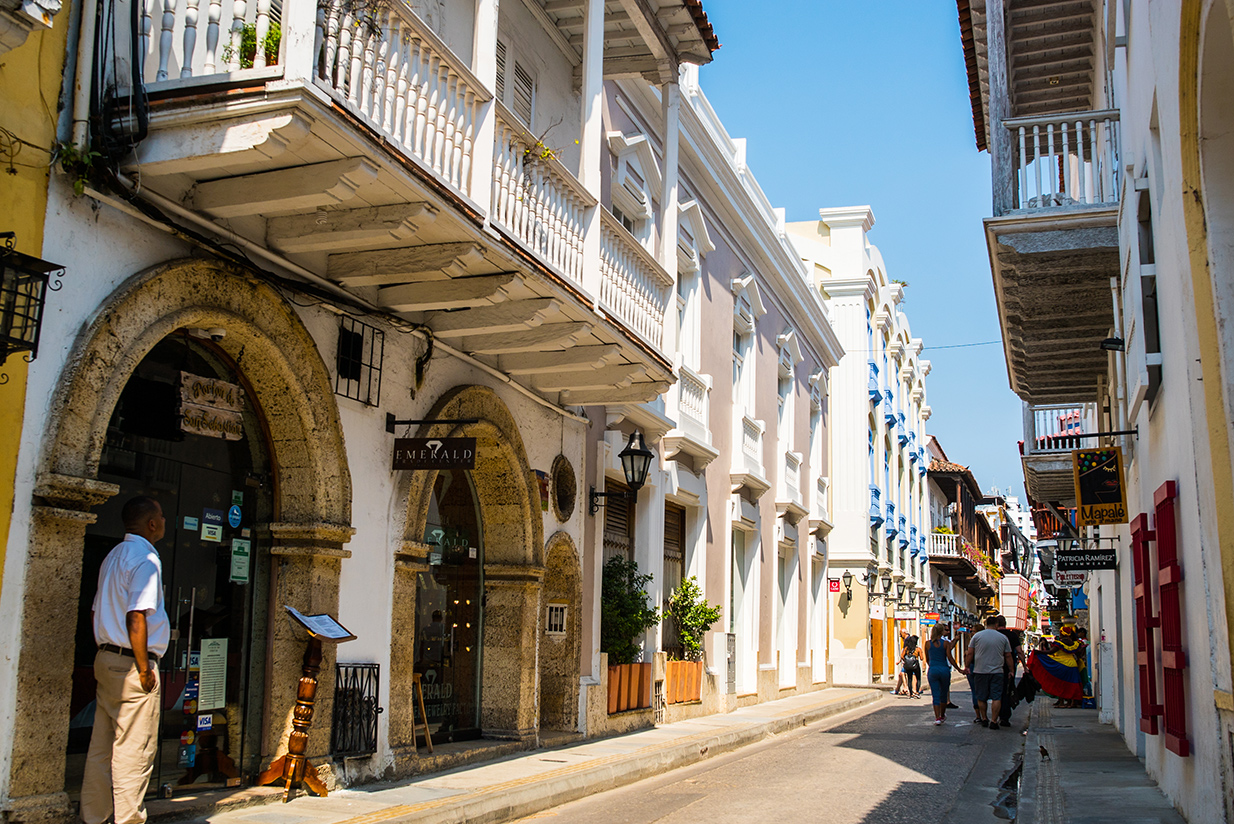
[312, 490]
[513, 535]
[559, 652]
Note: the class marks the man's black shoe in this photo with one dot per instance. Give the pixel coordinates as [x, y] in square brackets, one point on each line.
[1004, 723]
[952, 706]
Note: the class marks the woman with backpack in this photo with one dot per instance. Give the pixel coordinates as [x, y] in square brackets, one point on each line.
[910, 665]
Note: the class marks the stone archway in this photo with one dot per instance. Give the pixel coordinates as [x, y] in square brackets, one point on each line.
[559, 648]
[513, 532]
[312, 493]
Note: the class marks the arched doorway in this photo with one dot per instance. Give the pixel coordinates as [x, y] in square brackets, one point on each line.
[186, 432]
[309, 499]
[509, 545]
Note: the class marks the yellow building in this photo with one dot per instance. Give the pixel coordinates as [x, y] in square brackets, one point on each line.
[30, 78]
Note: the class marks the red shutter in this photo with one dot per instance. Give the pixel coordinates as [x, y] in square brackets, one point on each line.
[1173, 657]
[1145, 623]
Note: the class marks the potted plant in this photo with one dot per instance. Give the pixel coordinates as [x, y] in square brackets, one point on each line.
[692, 615]
[625, 614]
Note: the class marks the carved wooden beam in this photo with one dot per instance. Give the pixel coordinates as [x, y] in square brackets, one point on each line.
[349, 229]
[608, 377]
[576, 359]
[458, 293]
[418, 263]
[636, 393]
[549, 336]
[299, 188]
[504, 317]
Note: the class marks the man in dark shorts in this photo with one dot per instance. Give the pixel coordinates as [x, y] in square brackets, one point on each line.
[987, 657]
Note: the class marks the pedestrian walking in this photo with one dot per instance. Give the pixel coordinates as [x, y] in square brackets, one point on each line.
[940, 659]
[987, 657]
[910, 666]
[132, 631]
[1009, 699]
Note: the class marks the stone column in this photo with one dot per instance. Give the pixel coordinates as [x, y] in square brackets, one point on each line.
[511, 633]
[409, 560]
[307, 561]
[45, 659]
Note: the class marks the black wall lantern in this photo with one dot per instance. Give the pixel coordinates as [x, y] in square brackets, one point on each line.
[635, 462]
[24, 282]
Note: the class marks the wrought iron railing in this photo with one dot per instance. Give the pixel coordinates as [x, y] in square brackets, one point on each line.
[353, 730]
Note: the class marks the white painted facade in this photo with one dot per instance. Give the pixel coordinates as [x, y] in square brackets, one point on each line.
[879, 505]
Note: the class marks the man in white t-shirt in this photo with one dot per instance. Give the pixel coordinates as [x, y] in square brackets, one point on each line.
[988, 654]
[132, 631]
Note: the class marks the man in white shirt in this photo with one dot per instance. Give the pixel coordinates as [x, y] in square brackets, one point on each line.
[132, 631]
[988, 654]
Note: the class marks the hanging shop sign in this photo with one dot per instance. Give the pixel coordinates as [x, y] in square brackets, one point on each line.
[905, 615]
[1068, 560]
[434, 453]
[211, 407]
[877, 612]
[1070, 579]
[1100, 494]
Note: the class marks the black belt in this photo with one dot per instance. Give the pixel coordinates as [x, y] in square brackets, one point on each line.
[125, 651]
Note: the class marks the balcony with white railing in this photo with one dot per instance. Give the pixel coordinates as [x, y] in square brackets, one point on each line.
[788, 495]
[1051, 432]
[692, 435]
[1065, 161]
[747, 470]
[634, 288]
[955, 557]
[537, 199]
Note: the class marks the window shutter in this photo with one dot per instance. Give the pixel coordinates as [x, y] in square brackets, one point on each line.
[524, 93]
[501, 71]
[618, 523]
[1173, 657]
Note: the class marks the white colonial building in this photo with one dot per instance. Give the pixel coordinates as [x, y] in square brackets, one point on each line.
[877, 546]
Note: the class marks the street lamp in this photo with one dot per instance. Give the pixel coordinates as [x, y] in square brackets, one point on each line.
[900, 591]
[847, 578]
[24, 282]
[886, 585]
[635, 462]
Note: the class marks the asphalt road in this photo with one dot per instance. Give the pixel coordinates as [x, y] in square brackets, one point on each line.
[884, 764]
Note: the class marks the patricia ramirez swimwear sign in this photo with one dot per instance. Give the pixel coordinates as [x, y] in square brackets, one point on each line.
[434, 453]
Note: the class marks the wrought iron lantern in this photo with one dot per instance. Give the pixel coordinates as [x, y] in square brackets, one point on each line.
[847, 578]
[24, 282]
[900, 587]
[635, 463]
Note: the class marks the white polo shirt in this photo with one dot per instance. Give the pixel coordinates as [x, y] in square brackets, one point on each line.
[131, 580]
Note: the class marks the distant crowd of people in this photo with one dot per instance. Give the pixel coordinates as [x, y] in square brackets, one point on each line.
[999, 674]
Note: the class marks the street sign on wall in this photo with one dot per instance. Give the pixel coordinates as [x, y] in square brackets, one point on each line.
[1100, 494]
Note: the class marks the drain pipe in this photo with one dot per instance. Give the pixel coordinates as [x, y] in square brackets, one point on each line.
[85, 72]
[189, 216]
[1120, 373]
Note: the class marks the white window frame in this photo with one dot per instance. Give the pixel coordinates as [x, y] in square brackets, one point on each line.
[636, 183]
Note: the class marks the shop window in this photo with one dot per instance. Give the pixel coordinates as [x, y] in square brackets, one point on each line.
[358, 361]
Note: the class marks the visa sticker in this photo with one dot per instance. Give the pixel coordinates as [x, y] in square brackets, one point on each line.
[205, 721]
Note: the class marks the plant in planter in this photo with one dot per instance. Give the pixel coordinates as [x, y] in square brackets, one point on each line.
[625, 610]
[248, 46]
[693, 615]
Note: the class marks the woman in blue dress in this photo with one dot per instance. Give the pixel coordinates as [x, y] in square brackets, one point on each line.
[940, 658]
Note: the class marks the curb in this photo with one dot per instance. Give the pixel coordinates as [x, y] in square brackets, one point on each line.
[522, 797]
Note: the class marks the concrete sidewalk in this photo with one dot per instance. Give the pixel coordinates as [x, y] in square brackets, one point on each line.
[1090, 777]
[530, 782]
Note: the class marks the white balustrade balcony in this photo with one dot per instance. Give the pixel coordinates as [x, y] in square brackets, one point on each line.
[1051, 432]
[821, 508]
[634, 288]
[1066, 160]
[747, 469]
[791, 478]
[536, 199]
[694, 403]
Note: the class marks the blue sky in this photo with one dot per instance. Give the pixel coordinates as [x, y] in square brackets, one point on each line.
[851, 103]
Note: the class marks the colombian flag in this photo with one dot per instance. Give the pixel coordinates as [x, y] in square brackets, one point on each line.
[1058, 673]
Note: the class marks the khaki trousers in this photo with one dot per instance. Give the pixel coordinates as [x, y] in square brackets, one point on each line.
[122, 744]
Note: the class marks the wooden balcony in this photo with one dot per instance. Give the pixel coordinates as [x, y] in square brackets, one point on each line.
[370, 157]
[958, 559]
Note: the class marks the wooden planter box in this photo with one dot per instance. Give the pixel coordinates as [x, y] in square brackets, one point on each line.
[683, 681]
[629, 687]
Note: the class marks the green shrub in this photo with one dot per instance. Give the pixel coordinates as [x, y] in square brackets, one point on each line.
[248, 46]
[692, 615]
[625, 610]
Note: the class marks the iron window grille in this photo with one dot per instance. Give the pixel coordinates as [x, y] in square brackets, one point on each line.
[361, 349]
[556, 621]
[353, 730]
